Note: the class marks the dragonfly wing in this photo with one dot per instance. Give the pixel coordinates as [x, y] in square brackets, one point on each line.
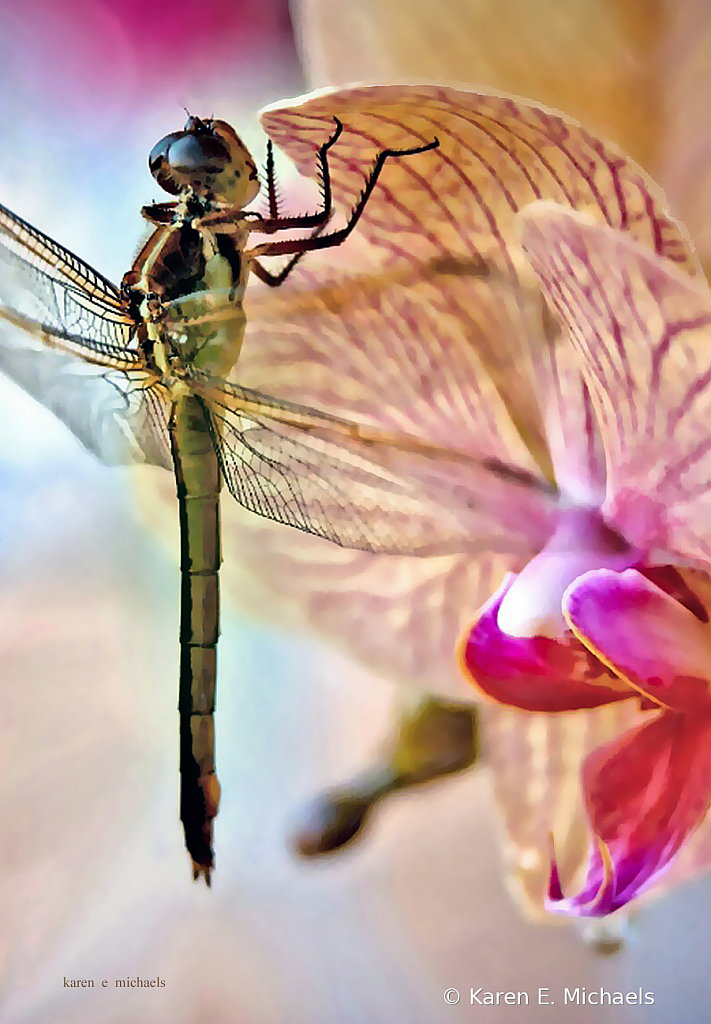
[117, 425]
[46, 282]
[363, 489]
[66, 340]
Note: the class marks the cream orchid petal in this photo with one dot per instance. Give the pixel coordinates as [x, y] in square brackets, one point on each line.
[642, 331]
[596, 59]
[430, 350]
[459, 202]
[496, 155]
[683, 160]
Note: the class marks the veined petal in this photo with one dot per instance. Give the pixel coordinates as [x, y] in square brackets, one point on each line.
[399, 616]
[496, 155]
[534, 762]
[432, 350]
[645, 794]
[534, 673]
[643, 333]
[574, 438]
[644, 635]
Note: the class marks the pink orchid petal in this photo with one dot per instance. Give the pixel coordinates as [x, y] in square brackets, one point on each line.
[581, 541]
[496, 155]
[534, 673]
[431, 351]
[534, 762]
[648, 638]
[392, 352]
[643, 333]
[645, 793]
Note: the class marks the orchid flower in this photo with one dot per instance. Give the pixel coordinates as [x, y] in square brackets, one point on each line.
[443, 337]
[604, 610]
[640, 80]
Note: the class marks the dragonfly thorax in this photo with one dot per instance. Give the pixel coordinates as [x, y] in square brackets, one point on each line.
[207, 158]
[167, 355]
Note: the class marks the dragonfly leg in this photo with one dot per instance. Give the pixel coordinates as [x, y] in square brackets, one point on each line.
[159, 213]
[436, 739]
[301, 245]
[274, 280]
[272, 191]
[267, 225]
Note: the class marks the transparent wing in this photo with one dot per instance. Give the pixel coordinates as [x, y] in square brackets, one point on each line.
[44, 281]
[66, 340]
[362, 488]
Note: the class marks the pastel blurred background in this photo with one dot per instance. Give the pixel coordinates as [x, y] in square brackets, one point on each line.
[94, 881]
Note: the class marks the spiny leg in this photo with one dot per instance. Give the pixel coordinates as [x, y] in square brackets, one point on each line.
[271, 183]
[306, 220]
[274, 280]
[323, 215]
[301, 245]
[435, 739]
[297, 247]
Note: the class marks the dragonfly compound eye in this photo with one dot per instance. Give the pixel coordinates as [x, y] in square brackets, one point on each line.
[187, 160]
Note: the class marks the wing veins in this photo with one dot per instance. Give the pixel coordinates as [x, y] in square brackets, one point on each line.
[334, 429]
[334, 479]
[62, 265]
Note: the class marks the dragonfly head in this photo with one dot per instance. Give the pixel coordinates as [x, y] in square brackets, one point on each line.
[208, 158]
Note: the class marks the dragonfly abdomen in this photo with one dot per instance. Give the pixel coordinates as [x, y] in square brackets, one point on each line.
[198, 484]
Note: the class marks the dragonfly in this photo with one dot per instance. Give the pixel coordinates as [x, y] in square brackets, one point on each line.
[140, 373]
